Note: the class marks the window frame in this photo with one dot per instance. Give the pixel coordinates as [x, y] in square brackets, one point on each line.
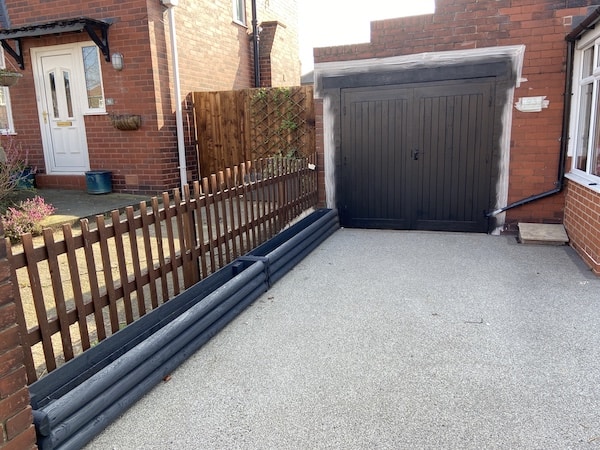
[8, 105]
[85, 107]
[239, 12]
[591, 128]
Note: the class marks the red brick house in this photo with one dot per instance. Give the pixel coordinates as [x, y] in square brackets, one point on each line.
[61, 109]
[475, 118]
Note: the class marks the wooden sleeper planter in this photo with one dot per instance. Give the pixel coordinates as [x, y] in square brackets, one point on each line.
[75, 402]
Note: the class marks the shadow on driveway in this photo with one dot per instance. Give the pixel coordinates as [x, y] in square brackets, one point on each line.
[72, 205]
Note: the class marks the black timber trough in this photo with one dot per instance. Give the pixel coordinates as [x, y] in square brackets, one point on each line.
[285, 250]
[78, 400]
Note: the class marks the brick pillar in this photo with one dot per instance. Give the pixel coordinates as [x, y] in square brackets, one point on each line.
[16, 420]
[267, 36]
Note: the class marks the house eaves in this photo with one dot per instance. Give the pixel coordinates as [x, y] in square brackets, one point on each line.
[589, 23]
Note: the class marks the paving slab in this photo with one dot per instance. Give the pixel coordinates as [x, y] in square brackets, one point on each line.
[72, 205]
[394, 339]
[543, 233]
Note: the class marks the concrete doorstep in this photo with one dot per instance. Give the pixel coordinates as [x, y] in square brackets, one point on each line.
[542, 233]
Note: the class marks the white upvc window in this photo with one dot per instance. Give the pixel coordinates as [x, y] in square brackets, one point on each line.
[6, 118]
[94, 90]
[239, 12]
[585, 111]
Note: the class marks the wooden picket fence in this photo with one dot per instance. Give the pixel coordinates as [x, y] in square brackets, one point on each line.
[78, 289]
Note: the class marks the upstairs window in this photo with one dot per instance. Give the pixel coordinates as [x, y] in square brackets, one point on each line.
[239, 11]
[585, 131]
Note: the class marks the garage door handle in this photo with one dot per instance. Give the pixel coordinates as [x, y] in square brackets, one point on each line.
[415, 154]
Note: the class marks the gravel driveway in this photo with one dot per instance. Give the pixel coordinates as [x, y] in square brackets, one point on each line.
[392, 339]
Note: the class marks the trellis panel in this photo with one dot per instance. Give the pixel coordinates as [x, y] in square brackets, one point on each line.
[245, 125]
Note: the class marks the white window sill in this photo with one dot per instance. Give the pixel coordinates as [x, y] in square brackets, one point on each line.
[588, 182]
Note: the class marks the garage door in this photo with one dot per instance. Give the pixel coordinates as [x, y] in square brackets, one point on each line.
[417, 157]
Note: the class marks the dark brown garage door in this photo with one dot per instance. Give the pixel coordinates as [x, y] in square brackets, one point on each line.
[417, 157]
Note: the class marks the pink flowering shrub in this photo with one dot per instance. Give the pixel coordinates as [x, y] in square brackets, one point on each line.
[14, 167]
[26, 218]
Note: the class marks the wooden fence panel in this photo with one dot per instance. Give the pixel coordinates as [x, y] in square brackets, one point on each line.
[123, 274]
[164, 283]
[93, 279]
[41, 312]
[221, 128]
[168, 216]
[200, 206]
[282, 122]
[71, 250]
[116, 268]
[237, 126]
[58, 292]
[152, 275]
[108, 278]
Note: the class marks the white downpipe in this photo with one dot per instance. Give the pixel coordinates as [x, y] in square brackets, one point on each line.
[178, 109]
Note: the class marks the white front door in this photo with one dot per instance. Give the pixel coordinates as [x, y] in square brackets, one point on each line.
[60, 112]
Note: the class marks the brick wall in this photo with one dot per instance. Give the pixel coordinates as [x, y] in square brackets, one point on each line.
[582, 221]
[214, 54]
[267, 38]
[541, 25]
[284, 56]
[278, 65]
[144, 160]
[16, 420]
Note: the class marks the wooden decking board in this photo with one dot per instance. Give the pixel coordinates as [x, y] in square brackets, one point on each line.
[541, 233]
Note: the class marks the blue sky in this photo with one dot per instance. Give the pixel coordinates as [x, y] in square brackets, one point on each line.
[336, 22]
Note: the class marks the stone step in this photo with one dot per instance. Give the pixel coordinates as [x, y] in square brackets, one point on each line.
[542, 233]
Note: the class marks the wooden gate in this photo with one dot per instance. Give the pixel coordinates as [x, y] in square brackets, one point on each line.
[417, 156]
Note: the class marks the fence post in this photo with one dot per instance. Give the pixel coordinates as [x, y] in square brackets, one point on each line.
[16, 419]
[191, 264]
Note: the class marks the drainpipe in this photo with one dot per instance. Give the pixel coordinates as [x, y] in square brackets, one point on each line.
[564, 141]
[255, 43]
[588, 23]
[170, 4]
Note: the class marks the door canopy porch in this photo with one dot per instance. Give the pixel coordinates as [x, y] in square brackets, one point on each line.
[96, 29]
